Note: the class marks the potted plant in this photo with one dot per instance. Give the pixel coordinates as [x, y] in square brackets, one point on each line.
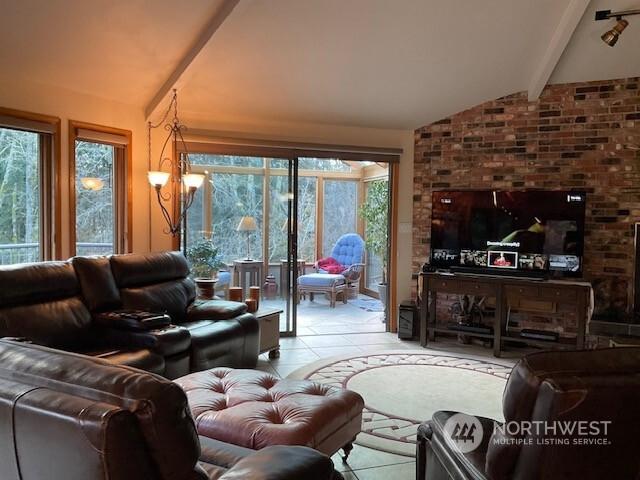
[205, 262]
[374, 212]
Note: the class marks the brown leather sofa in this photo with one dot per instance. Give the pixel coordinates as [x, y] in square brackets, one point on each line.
[583, 386]
[65, 416]
[56, 304]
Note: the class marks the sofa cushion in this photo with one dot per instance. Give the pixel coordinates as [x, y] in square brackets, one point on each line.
[172, 297]
[321, 280]
[215, 310]
[35, 283]
[99, 289]
[62, 323]
[41, 301]
[143, 358]
[137, 270]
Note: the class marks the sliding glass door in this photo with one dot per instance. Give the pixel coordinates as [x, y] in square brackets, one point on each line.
[262, 190]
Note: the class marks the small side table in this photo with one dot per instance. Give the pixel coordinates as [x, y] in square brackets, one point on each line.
[283, 273]
[269, 319]
[251, 267]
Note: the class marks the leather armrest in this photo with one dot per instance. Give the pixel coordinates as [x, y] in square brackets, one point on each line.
[165, 341]
[282, 463]
[214, 310]
[458, 465]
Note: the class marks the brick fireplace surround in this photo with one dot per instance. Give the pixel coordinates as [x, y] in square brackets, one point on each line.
[583, 136]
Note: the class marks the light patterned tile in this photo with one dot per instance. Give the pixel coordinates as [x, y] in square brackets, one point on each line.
[325, 341]
[326, 352]
[297, 356]
[284, 370]
[404, 471]
[363, 457]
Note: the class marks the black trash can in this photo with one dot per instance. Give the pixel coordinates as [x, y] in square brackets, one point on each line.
[408, 320]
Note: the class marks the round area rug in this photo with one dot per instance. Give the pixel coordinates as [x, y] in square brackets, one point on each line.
[403, 388]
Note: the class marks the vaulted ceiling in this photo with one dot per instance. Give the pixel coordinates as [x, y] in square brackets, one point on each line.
[373, 63]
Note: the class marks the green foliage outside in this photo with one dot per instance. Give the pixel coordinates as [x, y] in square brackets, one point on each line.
[374, 212]
[204, 258]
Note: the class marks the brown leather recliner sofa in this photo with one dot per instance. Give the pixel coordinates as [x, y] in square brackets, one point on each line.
[58, 304]
[600, 388]
[65, 416]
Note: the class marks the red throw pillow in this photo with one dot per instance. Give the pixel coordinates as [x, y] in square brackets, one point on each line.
[331, 265]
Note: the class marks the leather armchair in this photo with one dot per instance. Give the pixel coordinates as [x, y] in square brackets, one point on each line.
[572, 386]
[65, 416]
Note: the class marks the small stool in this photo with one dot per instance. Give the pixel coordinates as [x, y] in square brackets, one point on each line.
[322, 283]
[255, 409]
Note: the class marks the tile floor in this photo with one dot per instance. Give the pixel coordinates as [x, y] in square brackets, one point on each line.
[318, 318]
[364, 463]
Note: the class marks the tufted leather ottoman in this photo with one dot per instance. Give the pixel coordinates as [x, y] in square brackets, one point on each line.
[255, 409]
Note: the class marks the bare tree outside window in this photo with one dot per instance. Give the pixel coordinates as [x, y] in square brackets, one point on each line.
[94, 199]
[19, 196]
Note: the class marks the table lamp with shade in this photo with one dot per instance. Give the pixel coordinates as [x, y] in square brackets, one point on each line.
[247, 224]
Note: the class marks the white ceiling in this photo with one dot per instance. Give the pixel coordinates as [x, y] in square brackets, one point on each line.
[116, 49]
[373, 63]
[589, 58]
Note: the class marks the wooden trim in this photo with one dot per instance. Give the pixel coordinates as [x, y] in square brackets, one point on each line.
[360, 229]
[282, 150]
[392, 263]
[74, 126]
[266, 218]
[209, 137]
[319, 217]
[51, 248]
[275, 171]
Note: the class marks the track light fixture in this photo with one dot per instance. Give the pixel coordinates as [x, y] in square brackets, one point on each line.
[610, 37]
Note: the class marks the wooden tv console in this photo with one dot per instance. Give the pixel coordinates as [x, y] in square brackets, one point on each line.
[508, 291]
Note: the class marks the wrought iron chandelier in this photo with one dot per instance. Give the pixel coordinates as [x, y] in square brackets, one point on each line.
[180, 171]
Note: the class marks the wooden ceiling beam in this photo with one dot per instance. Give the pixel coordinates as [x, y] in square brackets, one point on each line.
[559, 41]
[186, 63]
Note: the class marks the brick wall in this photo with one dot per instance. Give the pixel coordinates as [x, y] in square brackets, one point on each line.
[583, 136]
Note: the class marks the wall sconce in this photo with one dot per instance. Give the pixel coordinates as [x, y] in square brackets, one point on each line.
[610, 37]
[189, 182]
[93, 184]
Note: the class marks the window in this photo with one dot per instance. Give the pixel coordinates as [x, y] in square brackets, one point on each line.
[340, 212]
[28, 210]
[278, 205]
[236, 196]
[99, 194]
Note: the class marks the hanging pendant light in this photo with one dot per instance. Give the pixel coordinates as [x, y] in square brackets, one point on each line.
[179, 171]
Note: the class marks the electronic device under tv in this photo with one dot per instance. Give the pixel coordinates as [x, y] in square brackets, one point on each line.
[534, 233]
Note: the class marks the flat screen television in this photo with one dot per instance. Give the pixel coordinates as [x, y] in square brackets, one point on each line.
[500, 232]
